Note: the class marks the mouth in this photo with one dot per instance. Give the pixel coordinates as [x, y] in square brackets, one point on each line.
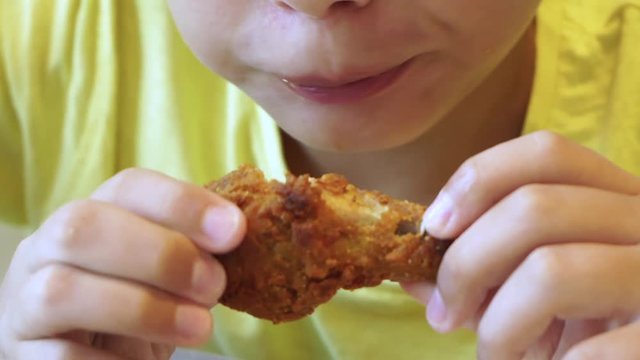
[324, 91]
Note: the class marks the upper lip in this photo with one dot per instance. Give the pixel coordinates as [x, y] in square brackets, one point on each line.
[347, 78]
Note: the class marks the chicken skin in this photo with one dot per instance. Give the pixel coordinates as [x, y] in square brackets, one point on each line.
[309, 237]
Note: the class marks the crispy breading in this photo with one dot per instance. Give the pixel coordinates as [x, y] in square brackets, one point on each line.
[309, 237]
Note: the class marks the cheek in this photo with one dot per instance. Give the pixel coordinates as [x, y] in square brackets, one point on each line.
[470, 37]
[485, 28]
[208, 28]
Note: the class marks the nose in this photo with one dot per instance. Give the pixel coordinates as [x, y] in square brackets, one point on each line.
[320, 8]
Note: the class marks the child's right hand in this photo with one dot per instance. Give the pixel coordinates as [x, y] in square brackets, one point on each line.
[127, 273]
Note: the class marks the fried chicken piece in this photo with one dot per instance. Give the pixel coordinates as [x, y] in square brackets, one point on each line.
[310, 237]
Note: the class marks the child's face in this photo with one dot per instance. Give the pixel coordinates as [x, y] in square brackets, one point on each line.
[431, 54]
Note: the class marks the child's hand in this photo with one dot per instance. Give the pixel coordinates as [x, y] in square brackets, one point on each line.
[546, 258]
[126, 273]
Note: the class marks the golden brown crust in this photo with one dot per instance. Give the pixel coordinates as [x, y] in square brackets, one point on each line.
[309, 237]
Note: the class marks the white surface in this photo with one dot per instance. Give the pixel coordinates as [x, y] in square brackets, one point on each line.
[9, 239]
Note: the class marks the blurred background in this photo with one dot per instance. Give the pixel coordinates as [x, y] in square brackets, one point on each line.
[9, 239]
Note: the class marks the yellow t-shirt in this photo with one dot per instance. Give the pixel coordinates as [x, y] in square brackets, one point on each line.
[89, 87]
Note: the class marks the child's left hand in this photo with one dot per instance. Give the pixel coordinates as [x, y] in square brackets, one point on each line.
[546, 262]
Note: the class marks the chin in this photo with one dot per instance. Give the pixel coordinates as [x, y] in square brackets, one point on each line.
[355, 132]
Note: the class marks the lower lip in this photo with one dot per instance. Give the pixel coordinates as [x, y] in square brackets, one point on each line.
[351, 92]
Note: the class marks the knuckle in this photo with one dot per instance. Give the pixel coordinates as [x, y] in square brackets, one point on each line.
[128, 175]
[544, 267]
[65, 227]
[42, 299]
[548, 143]
[532, 203]
[117, 185]
[176, 197]
[53, 287]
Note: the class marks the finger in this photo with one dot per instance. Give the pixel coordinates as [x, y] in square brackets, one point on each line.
[420, 291]
[619, 344]
[54, 349]
[576, 331]
[541, 157]
[212, 222]
[545, 347]
[132, 348]
[91, 234]
[568, 282]
[59, 299]
[536, 215]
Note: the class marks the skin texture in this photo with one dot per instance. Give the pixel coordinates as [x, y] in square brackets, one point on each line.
[125, 274]
[536, 215]
[546, 255]
[308, 238]
[454, 46]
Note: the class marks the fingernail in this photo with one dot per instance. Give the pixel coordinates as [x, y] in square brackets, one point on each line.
[193, 323]
[221, 223]
[437, 216]
[207, 281]
[437, 312]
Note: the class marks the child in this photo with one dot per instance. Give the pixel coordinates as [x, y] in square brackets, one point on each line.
[396, 95]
